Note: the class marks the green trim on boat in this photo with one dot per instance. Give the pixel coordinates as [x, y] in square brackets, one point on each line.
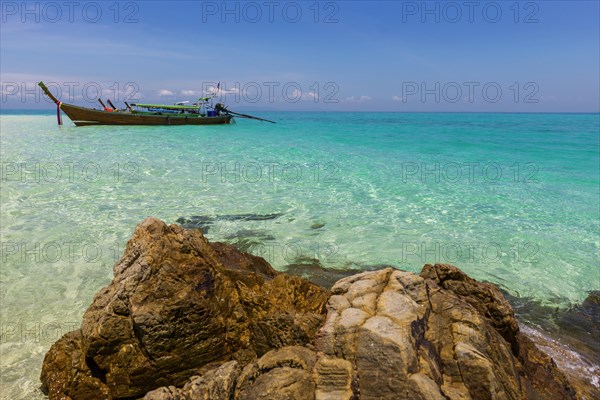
[154, 113]
[166, 106]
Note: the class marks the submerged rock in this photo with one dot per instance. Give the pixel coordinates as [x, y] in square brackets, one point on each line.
[187, 319]
[312, 270]
[578, 325]
[584, 321]
[571, 336]
[250, 240]
[317, 225]
[204, 222]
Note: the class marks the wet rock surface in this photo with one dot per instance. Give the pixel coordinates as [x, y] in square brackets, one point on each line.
[187, 319]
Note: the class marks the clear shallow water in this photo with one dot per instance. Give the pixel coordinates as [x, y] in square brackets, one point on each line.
[509, 198]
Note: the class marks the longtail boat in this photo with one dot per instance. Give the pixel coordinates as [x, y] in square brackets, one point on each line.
[201, 113]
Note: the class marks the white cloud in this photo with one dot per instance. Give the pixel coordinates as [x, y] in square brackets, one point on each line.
[361, 99]
[191, 93]
[225, 91]
[397, 98]
[298, 95]
[165, 92]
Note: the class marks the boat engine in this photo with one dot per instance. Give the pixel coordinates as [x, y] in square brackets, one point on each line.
[220, 107]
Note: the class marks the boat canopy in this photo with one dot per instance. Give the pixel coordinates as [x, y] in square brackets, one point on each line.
[165, 106]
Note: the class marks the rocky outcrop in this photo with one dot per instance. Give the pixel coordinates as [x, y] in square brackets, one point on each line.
[184, 319]
[540, 376]
[177, 303]
[391, 334]
[441, 335]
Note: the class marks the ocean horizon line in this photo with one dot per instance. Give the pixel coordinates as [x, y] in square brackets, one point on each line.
[53, 110]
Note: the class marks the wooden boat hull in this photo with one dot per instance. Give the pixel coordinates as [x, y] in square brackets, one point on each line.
[82, 116]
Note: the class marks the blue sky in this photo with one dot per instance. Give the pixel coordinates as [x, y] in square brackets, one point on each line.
[540, 56]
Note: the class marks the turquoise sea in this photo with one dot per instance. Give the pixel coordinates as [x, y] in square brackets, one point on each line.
[509, 198]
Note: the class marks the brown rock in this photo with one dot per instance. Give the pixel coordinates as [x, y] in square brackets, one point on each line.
[484, 297]
[280, 374]
[205, 321]
[216, 384]
[285, 373]
[164, 393]
[78, 381]
[391, 334]
[177, 303]
[542, 379]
